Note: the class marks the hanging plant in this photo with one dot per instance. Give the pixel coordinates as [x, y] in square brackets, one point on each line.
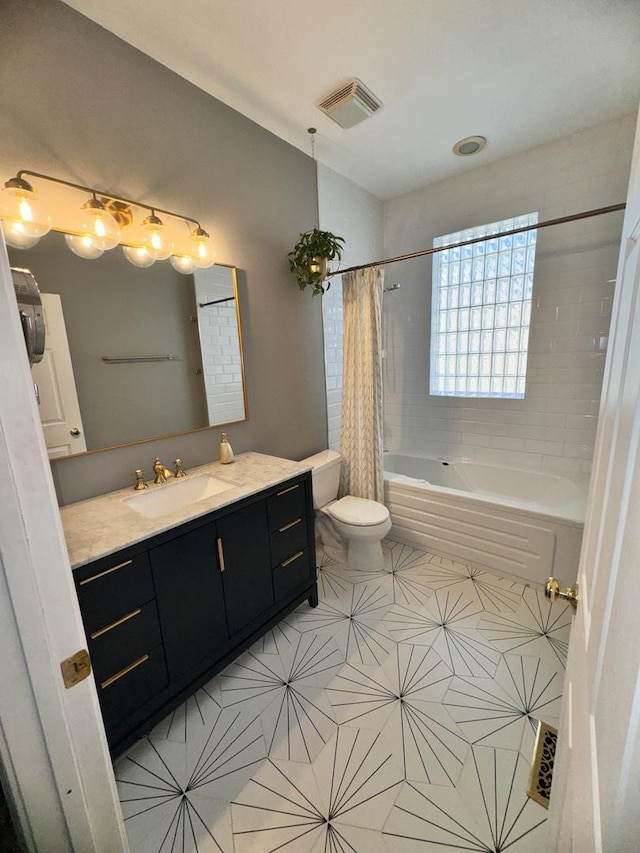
[308, 261]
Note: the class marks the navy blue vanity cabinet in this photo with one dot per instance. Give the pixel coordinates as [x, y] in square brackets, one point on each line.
[165, 615]
[291, 538]
[243, 552]
[118, 605]
[188, 587]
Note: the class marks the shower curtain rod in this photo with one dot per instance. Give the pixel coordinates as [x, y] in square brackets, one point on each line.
[559, 221]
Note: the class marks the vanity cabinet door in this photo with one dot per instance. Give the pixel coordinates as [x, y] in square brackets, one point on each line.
[190, 601]
[243, 541]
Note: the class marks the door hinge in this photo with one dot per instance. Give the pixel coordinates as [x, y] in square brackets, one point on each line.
[76, 668]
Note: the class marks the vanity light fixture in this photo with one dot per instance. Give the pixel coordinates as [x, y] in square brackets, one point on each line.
[99, 223]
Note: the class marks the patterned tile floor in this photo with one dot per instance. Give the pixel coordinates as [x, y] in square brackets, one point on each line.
[397, 716]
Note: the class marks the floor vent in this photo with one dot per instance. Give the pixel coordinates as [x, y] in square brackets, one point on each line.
[350, 104]
[544, 754]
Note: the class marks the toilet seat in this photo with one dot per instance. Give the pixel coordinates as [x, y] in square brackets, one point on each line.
[359, 512]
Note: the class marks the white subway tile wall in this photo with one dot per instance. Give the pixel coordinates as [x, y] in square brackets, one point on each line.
[350, 212]
[221, 361]
[553, 428]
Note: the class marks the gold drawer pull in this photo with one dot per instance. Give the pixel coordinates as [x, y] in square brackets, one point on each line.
[291, 559]
[221, 554]
[106, 572]
[291, 524]
[290, 489]
[124, 672]
[115, 624]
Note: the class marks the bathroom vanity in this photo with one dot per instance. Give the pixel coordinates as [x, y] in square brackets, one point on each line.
[171, 596]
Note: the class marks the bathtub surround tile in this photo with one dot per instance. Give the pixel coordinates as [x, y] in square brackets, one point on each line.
[423, 743]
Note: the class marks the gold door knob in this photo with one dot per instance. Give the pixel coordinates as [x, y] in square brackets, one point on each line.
[553, 590]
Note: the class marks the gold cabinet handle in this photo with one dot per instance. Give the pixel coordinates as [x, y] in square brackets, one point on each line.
[106, 572]
[221, 554]
[291, 524]
[115, 624]
[124, 672]
[291, 559]
[290, 489]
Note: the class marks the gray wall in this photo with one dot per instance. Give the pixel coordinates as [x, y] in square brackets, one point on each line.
[78, 103]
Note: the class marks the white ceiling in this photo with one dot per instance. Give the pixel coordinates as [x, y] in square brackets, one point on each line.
[520, 72]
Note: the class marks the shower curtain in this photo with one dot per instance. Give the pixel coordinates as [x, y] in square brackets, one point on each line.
[361, 437]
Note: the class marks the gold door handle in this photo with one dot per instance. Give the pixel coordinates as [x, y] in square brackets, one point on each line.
[296, 556]
[221, 554]
[553, 591]
[290, 489]
[125, 671]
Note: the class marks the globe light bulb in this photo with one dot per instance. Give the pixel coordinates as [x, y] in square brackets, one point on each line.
[155, 240]
[15, 235]
[138, 256]
[201, 249]
[99, 225]
[83, 246]
[19, 203]
[183, 264]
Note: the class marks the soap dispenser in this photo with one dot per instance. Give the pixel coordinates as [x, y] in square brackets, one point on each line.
[226, 453]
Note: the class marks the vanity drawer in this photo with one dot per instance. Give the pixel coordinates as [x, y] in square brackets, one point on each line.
[109, 588]
[287, 504]
[138, 681]
[292, 573]
[288, 539]
[114, 645]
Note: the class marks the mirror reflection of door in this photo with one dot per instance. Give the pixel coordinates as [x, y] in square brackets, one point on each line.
[59, 409]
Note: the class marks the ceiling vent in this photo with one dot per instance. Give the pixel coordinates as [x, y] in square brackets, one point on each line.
[350, 104]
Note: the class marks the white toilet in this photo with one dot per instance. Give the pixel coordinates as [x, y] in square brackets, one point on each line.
[363, 523]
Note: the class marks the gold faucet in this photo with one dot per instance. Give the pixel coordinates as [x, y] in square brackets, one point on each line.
[180, 472]
[140, 483]
[162, 473]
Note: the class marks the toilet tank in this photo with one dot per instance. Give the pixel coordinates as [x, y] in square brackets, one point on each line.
[326, 476]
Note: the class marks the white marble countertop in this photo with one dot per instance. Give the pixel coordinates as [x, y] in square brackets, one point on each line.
[105, 524]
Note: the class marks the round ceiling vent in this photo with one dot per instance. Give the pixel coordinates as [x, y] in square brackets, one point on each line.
[469, 145]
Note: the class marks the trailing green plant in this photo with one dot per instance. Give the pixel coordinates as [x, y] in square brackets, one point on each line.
[305, 259]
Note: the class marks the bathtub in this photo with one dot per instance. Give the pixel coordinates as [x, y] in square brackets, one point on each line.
[524, 524]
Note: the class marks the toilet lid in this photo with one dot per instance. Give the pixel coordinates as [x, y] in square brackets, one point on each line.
[359, 511]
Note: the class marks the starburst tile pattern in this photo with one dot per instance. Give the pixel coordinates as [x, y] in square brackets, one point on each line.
[499, 712]
[396, 717]
[538, 627]
[494, 594]
[192, 716]
[355, 622]
[287, 693]
[334, 578]
[403, 698]
[351, 788]
[175, 796]
[489, 811]
[448, 622]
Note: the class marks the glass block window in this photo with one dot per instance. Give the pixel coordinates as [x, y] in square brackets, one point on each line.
[481, 308]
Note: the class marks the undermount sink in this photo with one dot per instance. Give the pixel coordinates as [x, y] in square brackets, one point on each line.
[176, 495]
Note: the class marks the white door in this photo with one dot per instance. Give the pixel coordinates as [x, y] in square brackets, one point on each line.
[596, 788]
[59, 408]
[53, 750]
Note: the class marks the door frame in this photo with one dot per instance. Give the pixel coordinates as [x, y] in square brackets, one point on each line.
[57, 771]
